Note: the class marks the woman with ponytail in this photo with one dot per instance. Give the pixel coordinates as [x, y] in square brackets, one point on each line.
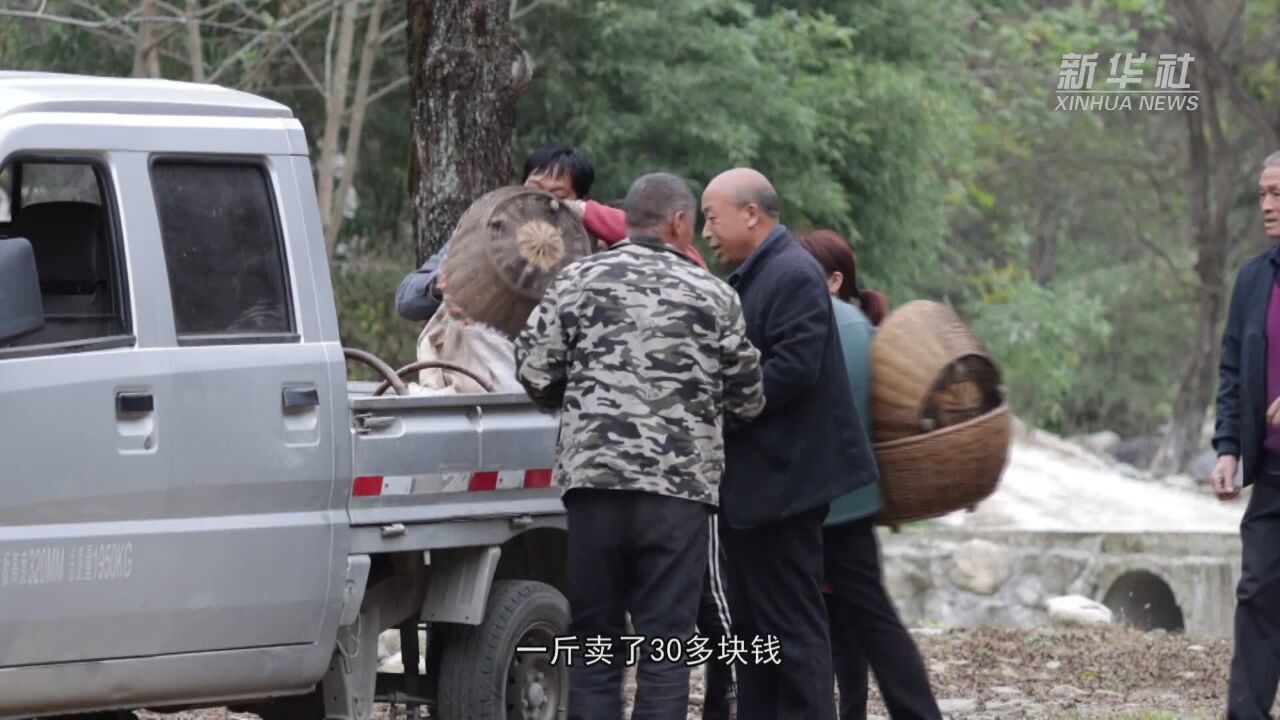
[838, 262]
[865, 627]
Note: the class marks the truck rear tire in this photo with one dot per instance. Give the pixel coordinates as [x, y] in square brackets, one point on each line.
[483, 677]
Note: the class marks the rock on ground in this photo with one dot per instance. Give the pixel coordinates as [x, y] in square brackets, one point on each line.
[980, 566]
[1100, 442]
[1076, 610]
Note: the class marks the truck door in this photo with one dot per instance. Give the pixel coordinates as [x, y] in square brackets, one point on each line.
[166, 439]
[255, 449]
[84, 437]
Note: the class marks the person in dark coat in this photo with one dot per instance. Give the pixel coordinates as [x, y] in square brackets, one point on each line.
[865, 628]
[783, 469]
[1248, 428]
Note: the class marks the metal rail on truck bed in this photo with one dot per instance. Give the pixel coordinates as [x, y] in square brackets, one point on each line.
[449, 471]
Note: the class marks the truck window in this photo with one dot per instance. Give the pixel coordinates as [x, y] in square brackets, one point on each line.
[224, 251]
[59, 182]
[61, 208]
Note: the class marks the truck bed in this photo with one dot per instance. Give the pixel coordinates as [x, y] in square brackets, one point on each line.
[449, 471]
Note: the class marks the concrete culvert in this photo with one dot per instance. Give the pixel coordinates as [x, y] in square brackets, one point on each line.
[1145, 601]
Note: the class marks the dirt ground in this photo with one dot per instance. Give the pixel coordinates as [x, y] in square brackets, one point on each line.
[1111, 673]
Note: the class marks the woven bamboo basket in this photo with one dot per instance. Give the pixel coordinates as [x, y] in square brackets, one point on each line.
[505, 251]
[937, 473]
[929, 372]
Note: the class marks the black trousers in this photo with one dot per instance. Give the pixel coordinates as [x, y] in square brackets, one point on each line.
[775, 587]
[714, 622]
[866, 630]
[645, 554]
[1255, 663]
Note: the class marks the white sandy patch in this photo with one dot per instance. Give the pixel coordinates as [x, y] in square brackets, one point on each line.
[1050, 484]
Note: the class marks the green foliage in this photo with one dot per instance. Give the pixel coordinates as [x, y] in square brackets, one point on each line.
[853, 142]
[1038, 336]
[924, 132]
[367, 318]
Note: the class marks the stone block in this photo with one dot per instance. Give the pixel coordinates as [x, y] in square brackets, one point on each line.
[980, 566]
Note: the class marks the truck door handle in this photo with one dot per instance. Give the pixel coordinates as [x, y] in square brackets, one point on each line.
[300, 397]
[132, 403]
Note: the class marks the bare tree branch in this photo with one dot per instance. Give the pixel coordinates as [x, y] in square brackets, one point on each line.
[195, 44]
[333, 117]
[368, 57]
[519, 12]
[110, 19]
[1229, 33]
[393, 31]
[1248, 106]
[328, 48]
[56, 19]
[387, 89]
[285, 24]
[306, 69]
[284, 42]
[1157, 250]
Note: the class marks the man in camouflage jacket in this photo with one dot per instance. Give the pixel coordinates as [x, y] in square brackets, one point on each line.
[645, 355]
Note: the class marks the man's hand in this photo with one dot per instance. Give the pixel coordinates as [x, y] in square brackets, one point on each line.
[1273, 414]
[447, 301]
[1224, 478]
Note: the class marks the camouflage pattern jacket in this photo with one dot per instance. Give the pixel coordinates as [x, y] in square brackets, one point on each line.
[646, 357]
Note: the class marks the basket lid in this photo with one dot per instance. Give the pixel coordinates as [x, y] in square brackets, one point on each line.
[505, 251]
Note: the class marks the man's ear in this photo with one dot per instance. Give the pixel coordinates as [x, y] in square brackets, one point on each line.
[676, 224]
[669, 229]
[753, 214]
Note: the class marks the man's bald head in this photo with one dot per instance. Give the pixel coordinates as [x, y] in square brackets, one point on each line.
[741, 208]
[748, 186]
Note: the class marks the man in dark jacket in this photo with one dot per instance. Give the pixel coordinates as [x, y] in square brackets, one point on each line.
[1248, 427]
[783, 469]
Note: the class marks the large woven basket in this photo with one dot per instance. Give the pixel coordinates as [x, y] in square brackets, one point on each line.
[937, 473]
[928, 372]
[505, 251]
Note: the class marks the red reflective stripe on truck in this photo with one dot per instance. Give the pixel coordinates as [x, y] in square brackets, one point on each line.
[367, 486]
[537, 478]
[483, 481]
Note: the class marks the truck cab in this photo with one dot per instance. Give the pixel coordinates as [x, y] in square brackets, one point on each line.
[196, 506]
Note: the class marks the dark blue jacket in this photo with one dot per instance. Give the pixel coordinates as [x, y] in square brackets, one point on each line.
[808, 447]
[1242, 372]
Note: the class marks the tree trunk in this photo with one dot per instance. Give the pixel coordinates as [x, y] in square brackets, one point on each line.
[195, 44]
[1044, 256]
[1209, 197]
[335, 112]
[466, 73]
[355, 125]
[146, 53]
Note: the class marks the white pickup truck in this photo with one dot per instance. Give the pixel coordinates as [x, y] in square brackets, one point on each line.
[196, 507]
